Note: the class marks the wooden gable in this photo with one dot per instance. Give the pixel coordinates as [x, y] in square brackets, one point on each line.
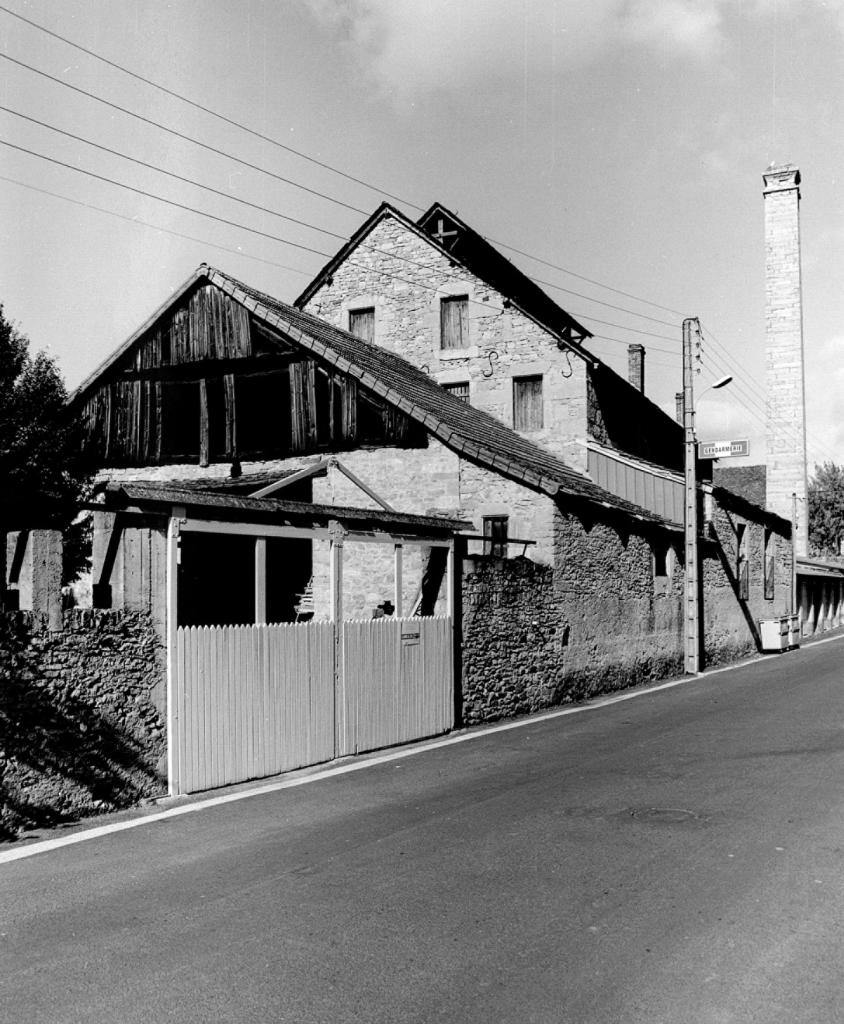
[209, 382]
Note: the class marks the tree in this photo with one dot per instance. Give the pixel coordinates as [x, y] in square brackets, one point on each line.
[43, 473]
[826, 509]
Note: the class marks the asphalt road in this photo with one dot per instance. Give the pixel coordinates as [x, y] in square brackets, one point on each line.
[673, 858]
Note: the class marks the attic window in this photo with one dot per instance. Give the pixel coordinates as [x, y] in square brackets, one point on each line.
[362, 323]
[444, 233]
[527, 403]
[454, 322]
[459, 390]
[181, 413]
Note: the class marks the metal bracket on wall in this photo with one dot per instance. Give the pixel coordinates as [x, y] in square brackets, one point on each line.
[493, 358]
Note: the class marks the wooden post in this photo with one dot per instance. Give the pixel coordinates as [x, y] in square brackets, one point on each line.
[397, 596]
[454, 577]
[173, 718]
[793, 552]
[691, 609]
[260, 579]
[336, 534]
[204, 436]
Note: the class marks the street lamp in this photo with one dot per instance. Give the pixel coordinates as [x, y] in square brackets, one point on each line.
[691, 604]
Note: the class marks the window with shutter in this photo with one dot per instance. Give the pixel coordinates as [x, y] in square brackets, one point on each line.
[460, 390]
[527, 403]
[742, 568]
[454, 322]
[768, 565]
[495, 536]
[362, 323]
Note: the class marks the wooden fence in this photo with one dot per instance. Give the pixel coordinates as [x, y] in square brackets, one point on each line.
[253, 701]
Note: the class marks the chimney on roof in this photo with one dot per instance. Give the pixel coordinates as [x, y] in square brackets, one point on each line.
[679, 406]
[636, 366]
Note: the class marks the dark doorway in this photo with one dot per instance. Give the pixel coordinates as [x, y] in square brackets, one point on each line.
[289, 571]
[216, 580]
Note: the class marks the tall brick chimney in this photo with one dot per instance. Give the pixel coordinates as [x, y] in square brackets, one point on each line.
[636, 366]
[786, 405]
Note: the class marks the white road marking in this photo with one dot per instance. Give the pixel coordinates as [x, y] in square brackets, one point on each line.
[46, 845]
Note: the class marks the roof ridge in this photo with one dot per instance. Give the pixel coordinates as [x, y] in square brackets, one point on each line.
[544, 475]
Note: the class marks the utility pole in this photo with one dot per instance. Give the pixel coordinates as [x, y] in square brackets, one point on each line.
[691, 604]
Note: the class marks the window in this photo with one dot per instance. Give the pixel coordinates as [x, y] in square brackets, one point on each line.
[495, 536]
[180, 420]
[768, 564]
[662, 567]
[362, 324]
[527, 403]
[460, 390]
[742, 570]
[262, 401]
[454, 322]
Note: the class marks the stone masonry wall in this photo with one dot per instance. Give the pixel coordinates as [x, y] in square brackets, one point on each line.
[598, 620]
[406, 279]
[80, 730]
[784, 374]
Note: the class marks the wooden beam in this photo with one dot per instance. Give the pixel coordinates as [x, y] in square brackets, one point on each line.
[399, 589]
[260, 579]
[204, 443]
[302, 474]
[359, 483]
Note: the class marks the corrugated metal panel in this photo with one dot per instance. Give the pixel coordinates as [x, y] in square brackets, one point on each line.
[651, 491]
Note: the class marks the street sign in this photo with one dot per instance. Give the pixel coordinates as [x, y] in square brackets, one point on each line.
[723, 449]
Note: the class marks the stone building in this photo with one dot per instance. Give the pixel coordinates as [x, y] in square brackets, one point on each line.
[558, 463]
[308, 543]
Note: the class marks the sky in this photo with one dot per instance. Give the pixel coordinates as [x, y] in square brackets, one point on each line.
[619, 145]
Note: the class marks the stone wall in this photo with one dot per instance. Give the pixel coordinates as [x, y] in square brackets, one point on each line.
[731, 625]
[405, 279]
[80, 729]
[599, 619]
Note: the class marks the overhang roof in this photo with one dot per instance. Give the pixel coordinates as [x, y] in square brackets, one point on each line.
[208, 504]
[465, 429]
[820, 567]
[480, 259]
[472, 433]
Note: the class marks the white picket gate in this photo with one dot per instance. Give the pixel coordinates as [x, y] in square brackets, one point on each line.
[253, 701]
[398, 681]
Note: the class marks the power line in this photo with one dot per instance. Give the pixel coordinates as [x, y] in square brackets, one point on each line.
[181, 135]
[756, 410]
[581, 277]
[286, 241]
[156, 227]
[171, 174]
[161, 199]
[754, 388]
[622, 327]
[213, 113]
[231, 223]
[294, 220]
[650, 348]
[320, 163]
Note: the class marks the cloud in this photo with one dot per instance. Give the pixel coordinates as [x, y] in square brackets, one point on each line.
[825, 408]
[688, 24]
[413, 46]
